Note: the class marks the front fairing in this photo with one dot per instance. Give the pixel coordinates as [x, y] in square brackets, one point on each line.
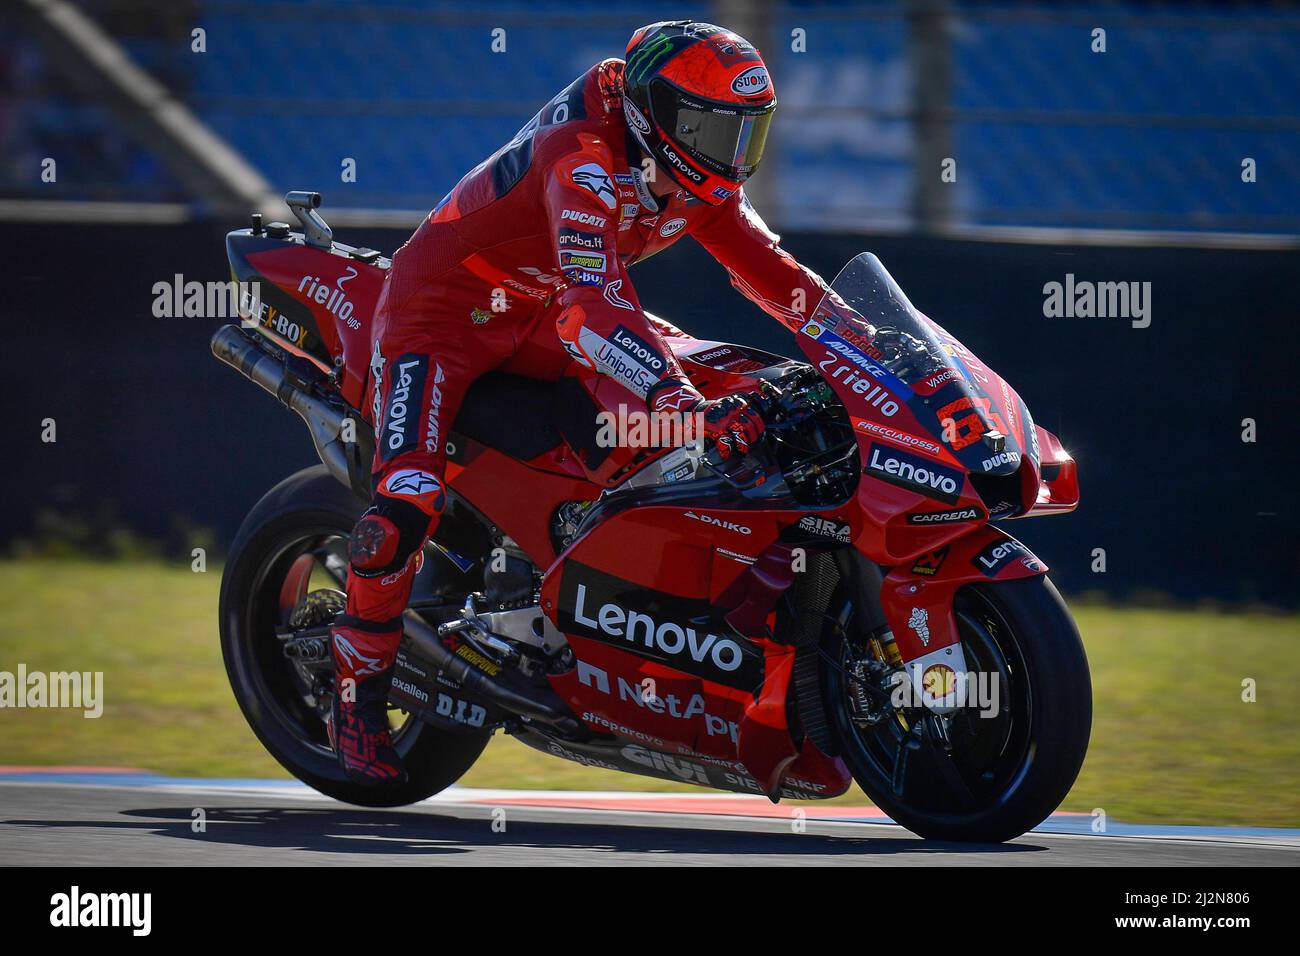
[943, 439]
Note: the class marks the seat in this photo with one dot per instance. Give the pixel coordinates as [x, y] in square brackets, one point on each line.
[526, 417]
[513, 414]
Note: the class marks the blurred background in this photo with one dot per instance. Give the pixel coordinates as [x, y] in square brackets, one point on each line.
[1125, 142]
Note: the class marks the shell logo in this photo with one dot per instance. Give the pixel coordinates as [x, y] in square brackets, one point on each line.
[939, 680]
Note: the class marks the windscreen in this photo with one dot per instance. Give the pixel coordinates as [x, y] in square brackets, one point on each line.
[946, 387]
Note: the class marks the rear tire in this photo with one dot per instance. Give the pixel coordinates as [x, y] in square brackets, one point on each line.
[1015, 767]
[309, 513]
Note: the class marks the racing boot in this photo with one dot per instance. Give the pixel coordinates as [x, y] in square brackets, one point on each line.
[384, 557]
[358, 722]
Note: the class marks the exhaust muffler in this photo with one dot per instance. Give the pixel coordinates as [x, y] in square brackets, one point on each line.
[248, 354]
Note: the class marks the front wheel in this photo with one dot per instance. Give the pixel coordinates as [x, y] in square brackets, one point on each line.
[1000, 765]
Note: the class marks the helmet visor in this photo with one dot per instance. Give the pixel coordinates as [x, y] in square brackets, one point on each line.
[722, 138]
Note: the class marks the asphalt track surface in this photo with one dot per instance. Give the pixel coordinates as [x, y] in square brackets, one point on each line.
[76, 821]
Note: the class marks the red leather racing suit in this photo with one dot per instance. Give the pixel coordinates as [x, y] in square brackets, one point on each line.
[523, 267]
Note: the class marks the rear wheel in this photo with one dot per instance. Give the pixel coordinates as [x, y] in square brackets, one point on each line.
[288, 567]
[987, 773]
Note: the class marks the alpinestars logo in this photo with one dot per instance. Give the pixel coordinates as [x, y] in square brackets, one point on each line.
[413, 483]
[357, 662]
[674, 399]
[591, 177]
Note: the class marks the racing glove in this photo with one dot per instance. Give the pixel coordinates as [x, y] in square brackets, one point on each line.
[730, 422]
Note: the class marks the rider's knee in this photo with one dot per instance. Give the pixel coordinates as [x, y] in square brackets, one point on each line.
[375, 542]
[404, 512]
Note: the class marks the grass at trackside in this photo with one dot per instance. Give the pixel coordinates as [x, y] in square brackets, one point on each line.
[1172, 740]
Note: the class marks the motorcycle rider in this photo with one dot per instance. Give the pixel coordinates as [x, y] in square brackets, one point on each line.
[536, 240]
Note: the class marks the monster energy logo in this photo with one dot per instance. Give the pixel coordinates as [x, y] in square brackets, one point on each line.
[645, 57]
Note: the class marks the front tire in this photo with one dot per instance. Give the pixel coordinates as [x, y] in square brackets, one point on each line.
[295, 538]
[990, 778]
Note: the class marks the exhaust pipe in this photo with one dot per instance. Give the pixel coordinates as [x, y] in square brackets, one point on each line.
[251, 357]
[530, 702]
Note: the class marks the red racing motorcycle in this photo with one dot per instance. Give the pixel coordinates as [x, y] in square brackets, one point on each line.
[840, 604]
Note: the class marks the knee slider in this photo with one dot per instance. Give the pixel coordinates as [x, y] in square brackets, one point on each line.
[373, 545]
[386, 536]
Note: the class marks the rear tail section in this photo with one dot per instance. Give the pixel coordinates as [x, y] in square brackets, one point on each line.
[317, 297]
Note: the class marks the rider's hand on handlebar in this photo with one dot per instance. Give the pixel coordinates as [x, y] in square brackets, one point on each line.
[730, 422]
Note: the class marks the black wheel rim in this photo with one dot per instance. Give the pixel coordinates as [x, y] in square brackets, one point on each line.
[989, 755]
[290, 570]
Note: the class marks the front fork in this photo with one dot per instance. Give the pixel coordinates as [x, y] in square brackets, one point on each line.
[915, 604]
